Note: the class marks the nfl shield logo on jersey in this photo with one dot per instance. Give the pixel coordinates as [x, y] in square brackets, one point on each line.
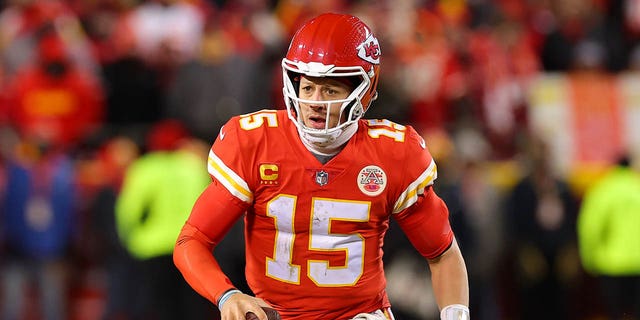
[322, 177]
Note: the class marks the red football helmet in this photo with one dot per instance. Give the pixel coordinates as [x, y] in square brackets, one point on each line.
[333, 45]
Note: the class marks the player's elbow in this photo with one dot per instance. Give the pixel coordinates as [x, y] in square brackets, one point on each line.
[179, 252]
[190, 245]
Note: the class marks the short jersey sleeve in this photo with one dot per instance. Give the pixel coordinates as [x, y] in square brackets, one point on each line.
[227, 162]
[419, 169]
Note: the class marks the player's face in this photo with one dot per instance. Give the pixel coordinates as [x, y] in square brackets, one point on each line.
[315, 115]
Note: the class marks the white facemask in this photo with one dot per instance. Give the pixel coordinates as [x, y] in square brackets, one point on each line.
[327, 144]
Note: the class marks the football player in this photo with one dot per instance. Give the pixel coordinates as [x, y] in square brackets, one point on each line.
[317, 185]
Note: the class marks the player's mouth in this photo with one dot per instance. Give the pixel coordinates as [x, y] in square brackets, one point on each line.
[317, 122]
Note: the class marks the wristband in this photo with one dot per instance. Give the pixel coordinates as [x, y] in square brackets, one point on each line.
[455, 312]
[225, 296]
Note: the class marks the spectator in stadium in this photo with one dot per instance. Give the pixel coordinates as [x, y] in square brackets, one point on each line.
[608, 238]
[100, 171]
[540, 216]
[158, 190]
[317, 186]
[54, 100]
[38, 226]
[21, 23]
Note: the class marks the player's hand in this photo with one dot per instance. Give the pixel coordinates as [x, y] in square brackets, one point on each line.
[239, 304]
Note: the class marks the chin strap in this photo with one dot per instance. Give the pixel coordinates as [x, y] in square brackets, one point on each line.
[328, 144]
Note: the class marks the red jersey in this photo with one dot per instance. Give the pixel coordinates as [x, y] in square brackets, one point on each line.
[61, 111]
[314, 232]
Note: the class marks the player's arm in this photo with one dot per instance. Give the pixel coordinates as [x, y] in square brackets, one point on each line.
[426, 224]
[212, 216]
[450, 283]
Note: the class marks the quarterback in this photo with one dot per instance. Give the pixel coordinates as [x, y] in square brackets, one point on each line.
[316, 185]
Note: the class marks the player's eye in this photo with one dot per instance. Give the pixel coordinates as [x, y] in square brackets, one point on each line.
[331, 91]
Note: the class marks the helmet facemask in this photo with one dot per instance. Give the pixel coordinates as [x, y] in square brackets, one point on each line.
[328, 139]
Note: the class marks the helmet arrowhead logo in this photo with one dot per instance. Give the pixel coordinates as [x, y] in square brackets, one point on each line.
[369, 50]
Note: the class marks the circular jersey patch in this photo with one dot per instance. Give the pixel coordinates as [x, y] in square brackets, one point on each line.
[372, 180]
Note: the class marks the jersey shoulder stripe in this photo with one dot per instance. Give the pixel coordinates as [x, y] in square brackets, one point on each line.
[416, 188]
[229, 179]
[240, 141]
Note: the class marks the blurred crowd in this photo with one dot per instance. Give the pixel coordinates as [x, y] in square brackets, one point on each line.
[101, 101]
